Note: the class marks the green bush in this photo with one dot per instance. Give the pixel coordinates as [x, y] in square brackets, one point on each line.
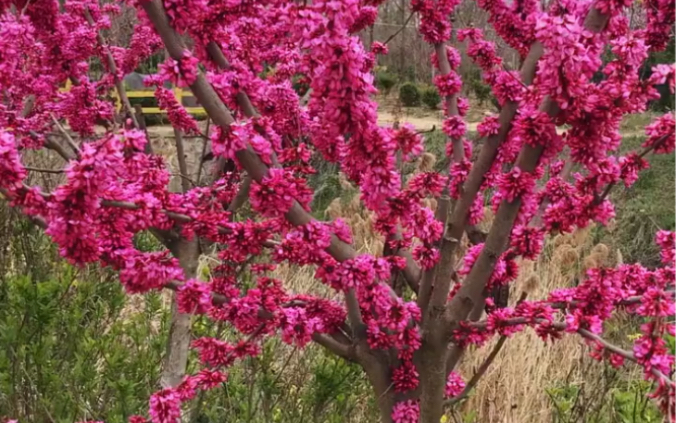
[431, 97]
[479, 88]
[73, 351]
[618, 400]
[385, 81]
[410, 96]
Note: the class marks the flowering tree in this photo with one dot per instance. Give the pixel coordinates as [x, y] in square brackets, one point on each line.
[240, 67]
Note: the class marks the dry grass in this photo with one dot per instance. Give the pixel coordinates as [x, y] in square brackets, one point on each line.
[514, 388]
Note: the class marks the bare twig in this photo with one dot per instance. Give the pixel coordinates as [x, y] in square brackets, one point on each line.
[484, 366]
[205, 141]
[141, 119]
[181, 156]
[479, 373]
[241, 196]
[66, 135]
[41, 170]
[186, 179]
[427, 131]
[396, 33]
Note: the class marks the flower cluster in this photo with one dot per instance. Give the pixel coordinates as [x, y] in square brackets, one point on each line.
[176, 113]
[276, 193]
[181, 73]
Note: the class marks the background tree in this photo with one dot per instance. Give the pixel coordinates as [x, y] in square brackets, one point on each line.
[408, 315]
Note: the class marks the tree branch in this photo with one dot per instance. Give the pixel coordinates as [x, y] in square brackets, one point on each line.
[479, 373]
[41, 170]
[241, 196]
[181, 157]
[411, 272]
[404, 25]
[483, 367]
[471, 293]
[66, 136]
[562, 326]
[333, 345]
[435, 286]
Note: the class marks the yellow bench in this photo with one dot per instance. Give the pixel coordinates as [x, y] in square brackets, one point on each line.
[178, 94]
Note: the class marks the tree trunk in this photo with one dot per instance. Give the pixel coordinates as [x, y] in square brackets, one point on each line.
[378, 374]
[432, 369]
[176, 358]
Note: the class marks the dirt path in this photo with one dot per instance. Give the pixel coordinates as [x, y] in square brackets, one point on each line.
[421, 123]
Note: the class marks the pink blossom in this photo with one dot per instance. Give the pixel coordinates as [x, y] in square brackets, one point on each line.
[666, 241]
[488, 126]
[379, 48]
[275, 194]
[515, 184]
[194, 297]
[405, 377]
[11, 170]
[210, 379]
[408, 140]
[454, 126]
[406, 412]
[661, 134]
[165, 406]
[176, 113]
[455, 385]
[448, 84]
[427, 257]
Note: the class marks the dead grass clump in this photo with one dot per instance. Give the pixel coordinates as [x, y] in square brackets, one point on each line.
[515, 388]
[426, 163]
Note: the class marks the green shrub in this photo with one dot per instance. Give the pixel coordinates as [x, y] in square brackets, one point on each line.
[618, 400]
[72, 351]
[479, 88]
[385, 81]
[410, 96]
[431, 97]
